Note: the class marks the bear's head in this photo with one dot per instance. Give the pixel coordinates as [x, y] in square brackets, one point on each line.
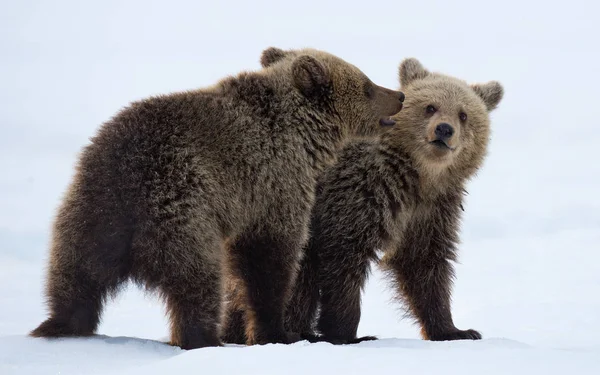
[340, 88]
[445, 122]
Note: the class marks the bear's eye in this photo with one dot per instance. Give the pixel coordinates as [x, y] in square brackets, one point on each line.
[463, 116]
[430, 109]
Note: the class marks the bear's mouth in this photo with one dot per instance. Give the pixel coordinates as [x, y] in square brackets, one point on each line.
[386, 122]
[441, 144]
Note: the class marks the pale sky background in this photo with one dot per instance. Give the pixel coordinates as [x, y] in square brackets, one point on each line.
[67, 66]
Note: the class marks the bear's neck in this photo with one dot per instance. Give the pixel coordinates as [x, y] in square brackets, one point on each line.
[322, 139]
[434, 179]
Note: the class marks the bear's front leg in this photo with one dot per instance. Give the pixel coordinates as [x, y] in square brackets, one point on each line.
[266, 263]
[422, 269]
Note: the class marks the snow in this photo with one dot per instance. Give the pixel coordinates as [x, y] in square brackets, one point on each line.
[528, 277]
[118, 355]
[527, 328]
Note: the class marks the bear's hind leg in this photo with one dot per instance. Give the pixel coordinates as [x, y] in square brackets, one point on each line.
[75, 302]
[88, 262]
[194, 313]
[184, 262]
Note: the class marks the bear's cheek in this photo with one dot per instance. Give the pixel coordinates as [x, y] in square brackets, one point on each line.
[477, 137]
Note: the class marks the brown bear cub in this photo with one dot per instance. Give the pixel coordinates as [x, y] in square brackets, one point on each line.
[401, 194]
[170, 181]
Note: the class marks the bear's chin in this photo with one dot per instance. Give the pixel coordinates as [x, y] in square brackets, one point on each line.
[439, 150]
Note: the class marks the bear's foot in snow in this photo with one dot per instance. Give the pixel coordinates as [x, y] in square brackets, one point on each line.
[337, 340]
[52, 327]
[457, 334]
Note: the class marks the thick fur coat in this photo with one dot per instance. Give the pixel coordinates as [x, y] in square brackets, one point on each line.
[401, 194]
[178, 190]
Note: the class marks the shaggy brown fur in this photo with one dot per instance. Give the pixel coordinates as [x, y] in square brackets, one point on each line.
[401, 194]
[168, 180]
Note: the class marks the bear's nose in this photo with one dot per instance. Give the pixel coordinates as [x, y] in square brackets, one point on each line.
[444, 131]
[402, 97]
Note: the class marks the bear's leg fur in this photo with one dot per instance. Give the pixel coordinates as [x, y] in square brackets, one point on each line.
[266, 263]
[425, 286]
[75, 301]
[194, 313]
[184, 262]
[89, 259]
[302, 307]
[341, 282]
[234, 329]
[234, 325]
[301, 310]
[423, 273]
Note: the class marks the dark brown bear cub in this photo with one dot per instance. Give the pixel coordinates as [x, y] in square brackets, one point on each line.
[401, 194]
[170, 180]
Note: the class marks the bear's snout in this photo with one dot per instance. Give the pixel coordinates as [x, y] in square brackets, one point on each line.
[444, 131]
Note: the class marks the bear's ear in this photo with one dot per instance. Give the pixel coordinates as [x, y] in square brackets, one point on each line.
[310, 75]
[270, 56]
[410, 70]
[491, 93]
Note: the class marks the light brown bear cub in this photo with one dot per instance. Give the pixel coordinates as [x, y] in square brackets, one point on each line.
[169, 181]
[401, 194]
